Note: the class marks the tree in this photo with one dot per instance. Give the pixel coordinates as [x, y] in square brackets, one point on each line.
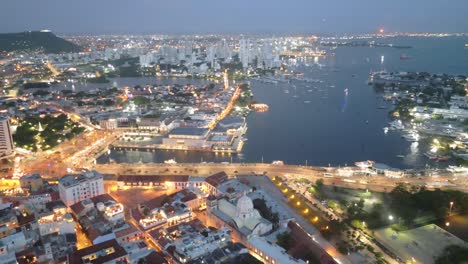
[285, 240]
[453, 254]
[357, 224]
[319, 183]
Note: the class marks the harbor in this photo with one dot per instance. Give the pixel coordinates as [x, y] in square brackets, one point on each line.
[297, 108]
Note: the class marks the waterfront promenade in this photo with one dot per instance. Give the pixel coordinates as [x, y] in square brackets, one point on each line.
[330, 175]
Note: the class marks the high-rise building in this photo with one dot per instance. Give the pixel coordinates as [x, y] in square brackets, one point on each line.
[244, 52]
[76, 188]
[6, 138]
[226, 79]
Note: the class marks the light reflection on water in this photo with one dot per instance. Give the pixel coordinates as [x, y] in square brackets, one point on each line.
[332, 128]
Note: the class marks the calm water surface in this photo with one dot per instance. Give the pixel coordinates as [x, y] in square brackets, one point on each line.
[316, 122]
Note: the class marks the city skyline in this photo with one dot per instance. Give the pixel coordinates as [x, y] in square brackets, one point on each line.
[260, 132]
[145, 17]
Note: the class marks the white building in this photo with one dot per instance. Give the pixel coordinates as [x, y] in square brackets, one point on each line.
[242, 216]
[58, 221]
[76, 188]
[177, 212]
[457, 101]
[7, 256]
[270, 253]
[111, 210]
[14, 242]
[109, 124]
[6, 138]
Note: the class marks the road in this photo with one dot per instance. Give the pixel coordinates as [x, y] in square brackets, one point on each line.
[376, 183]
[364, 238]
[268, 187]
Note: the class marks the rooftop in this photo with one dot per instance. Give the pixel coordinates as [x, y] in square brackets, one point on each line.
[217, 178]
[34, 176]
[274, 251]
[153, 178]
[102, 253]
[72, 179]
[190, 131]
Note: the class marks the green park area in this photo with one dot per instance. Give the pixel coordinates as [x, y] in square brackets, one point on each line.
[401, 220]
[36, 133]
[308, 211]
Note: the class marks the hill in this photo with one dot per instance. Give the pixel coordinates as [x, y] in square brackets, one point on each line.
[34, 41]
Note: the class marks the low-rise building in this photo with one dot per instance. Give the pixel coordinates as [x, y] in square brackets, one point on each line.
[56, 221]
[190, 241]
[243, 217]
[106, 252]
[187, 138]
[168, 214]
[109, 124]
[172, 182]
[100, 217]
[269, 252]
[32, 182]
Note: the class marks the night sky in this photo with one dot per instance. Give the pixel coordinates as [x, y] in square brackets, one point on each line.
[234, 16]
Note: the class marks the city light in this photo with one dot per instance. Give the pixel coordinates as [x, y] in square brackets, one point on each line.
[141, 137]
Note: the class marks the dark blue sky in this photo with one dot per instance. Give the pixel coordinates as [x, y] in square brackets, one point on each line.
[203, 16]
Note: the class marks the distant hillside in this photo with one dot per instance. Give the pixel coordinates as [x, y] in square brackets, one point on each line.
[35, 40]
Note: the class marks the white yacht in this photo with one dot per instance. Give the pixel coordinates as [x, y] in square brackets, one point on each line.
[170, 161]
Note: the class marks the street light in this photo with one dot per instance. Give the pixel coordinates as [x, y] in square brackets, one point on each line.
[447, 224]
[390, 217]
[451, 205]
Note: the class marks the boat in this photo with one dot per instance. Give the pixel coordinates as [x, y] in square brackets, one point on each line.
[385, 130]
[401, 156]
[382, 107]
[412, 137]
[397, 124]
[170, 161]
[310, 90]
[277, 162]
[442, 158]
[431, 156]
[306, 102]
[466, 45]
[364, 164]
[458, 169]
[405, 57]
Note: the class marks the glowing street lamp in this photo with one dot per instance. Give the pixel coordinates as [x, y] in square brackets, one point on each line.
[390, 217]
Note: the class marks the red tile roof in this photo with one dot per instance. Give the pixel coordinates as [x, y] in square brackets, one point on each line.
[217, 178]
